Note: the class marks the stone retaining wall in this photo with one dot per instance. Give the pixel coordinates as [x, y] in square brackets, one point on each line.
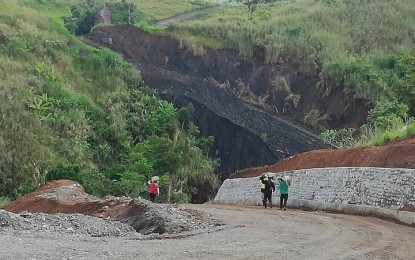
[379, 187]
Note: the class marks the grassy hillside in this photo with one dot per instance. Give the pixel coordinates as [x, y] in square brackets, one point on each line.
[167, 8]
[154, 9]
[366, 48]
[52, 101]
[72, 111]
[349, 43]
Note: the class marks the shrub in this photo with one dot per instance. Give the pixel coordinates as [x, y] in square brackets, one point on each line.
[387, 114]
[341, 137]
[4, 201]
[17, 46]
[315, 119]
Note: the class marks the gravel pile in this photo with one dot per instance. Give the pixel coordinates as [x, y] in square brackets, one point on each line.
[140, 219]
[74, 224]
[150, 218]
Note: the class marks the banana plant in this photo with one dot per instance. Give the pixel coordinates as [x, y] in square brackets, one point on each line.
[42, 105]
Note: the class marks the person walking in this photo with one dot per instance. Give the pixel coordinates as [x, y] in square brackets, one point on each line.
[262, 187]
[153, 188]
[283, 183]
[272, 183]
[267, 191]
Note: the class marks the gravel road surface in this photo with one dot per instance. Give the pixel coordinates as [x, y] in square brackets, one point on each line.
[248, 233]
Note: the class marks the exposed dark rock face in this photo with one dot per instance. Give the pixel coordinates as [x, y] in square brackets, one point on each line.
[245, 136]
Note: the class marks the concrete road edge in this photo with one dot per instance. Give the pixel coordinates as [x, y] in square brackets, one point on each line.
[402, 217]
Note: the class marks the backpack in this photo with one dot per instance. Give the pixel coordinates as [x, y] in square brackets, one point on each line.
[287, 180]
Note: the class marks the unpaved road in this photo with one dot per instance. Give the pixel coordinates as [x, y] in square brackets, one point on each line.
[250, 233]
[186, 15]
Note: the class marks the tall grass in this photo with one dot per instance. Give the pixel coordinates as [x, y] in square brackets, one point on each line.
[166, 8]
[4, 201]
[379, 138]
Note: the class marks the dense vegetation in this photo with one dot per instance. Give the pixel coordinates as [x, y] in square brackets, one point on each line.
[71, 111]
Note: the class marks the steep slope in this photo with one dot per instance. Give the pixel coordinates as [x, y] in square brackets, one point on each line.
[245, 135]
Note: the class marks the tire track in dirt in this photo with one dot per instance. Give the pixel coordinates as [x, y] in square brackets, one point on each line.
[190, 15]
[313, 235]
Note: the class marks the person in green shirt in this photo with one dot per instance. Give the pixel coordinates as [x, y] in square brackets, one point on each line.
[283, 183]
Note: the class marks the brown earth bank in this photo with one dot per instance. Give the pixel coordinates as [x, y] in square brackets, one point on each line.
[399, 153]
[240, 101]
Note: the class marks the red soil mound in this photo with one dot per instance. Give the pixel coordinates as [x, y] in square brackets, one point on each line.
[395, 154]
[64, 196]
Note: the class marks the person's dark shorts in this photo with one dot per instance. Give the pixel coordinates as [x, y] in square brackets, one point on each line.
[152, 197]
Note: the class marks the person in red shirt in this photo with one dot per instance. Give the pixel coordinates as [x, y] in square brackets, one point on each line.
[153, 190]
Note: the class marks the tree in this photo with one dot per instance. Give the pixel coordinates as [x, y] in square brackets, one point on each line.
[252, 4]
[167, 156]
[387, 114]
[177, 154]
[405, 92]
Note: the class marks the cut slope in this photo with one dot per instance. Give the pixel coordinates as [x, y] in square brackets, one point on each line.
[396, 154]
[245, 135]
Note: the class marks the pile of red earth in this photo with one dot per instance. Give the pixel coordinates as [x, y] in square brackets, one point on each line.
[399, 153]
[64, 196]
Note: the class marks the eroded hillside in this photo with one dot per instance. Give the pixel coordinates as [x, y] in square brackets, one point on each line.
[395, 154]
[242, 102]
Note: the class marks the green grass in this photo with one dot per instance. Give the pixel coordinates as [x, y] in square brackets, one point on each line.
[56, 8]
[197, 43]
[156, 9]
[384, 137]
[4, 201]
[166, 8]
[379, 137]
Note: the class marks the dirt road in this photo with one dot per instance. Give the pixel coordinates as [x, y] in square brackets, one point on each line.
[250, 233]
[187, 15]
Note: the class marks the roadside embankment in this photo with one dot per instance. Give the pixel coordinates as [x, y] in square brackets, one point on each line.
[380, 192]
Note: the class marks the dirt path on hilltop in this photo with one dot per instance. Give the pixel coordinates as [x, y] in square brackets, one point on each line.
[249, 233]
[186, 16]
